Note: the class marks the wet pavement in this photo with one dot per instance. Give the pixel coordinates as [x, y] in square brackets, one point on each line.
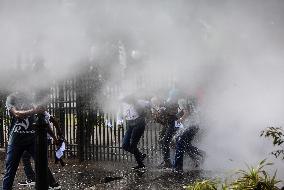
[114, 175]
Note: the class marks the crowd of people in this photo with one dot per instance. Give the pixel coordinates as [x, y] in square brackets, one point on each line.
[178, 116]
[177, 113]
[180, 122]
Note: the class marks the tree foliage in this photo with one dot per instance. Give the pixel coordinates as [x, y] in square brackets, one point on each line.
[277, 136]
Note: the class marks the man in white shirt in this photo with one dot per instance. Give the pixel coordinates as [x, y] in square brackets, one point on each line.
[134, 114]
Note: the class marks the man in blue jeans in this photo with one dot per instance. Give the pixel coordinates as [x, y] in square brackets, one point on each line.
[168, 131]
[134, 113]
[26, 158]
[22, 136]
[189, 126]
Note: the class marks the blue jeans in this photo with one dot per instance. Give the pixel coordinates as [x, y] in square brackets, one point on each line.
[131, 140]
[14, 154]
[166, 136]
[26, 159]
[183, 144]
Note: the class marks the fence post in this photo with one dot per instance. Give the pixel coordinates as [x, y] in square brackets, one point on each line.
[1, 131]
[41, 162]
[61, 108]
[2, 112]
[80, 118]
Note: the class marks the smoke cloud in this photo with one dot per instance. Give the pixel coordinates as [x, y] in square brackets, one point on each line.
[229, 52]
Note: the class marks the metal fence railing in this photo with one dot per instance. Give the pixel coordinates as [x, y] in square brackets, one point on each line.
[73, 102]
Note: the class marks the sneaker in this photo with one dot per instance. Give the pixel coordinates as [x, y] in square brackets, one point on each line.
[55, 186]
[177, 171]
[138, 167]
[28, 182]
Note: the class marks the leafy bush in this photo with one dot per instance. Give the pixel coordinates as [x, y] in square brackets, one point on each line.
[203, 185]
[255, 178]
[277, 135]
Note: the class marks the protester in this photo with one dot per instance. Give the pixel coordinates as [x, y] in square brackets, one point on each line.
[134, 114]
[168, 118]
[188, 124]
[26, 158]
[22, 136]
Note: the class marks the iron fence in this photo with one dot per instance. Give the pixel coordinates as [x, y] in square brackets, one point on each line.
[90, 133]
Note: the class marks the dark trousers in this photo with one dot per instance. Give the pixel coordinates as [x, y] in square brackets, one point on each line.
[14, 154]
[166, 136]
[131, 139]
[183, 144]
[26, 159]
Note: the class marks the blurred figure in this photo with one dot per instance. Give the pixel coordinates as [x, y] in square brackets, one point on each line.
[188, 126]
[26, 158]
[22, 135]
[134, 114]
[166, 115]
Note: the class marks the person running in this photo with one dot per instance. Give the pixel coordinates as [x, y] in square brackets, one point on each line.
[168, 115]
[22, 136]
[134, 114]
[188, 124]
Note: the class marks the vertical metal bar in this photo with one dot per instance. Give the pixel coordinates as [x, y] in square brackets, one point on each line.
[74, 115]
[111, 139]
[80, 119]
[100, 135]
[97, 135]
[41, 163]
[61, 106]
[104, 136]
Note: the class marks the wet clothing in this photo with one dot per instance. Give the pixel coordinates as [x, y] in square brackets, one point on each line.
[28, 169]
[14, 154]
[21, 138]
[183, 144]
[22, 130]
[135, 126]
[168, 130]
[185, 135]
[166, 135]
[26, 158]
[135, 130]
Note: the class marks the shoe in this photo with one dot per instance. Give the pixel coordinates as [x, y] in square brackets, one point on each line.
[177, 171]
[55, 186]
[139, 167]
[28, 182]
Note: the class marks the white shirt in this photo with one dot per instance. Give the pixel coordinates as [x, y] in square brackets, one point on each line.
[129, 112]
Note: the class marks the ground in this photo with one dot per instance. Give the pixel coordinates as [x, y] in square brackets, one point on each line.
[93, 175]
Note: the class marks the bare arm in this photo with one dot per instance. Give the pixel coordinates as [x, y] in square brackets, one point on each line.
[25, 113]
